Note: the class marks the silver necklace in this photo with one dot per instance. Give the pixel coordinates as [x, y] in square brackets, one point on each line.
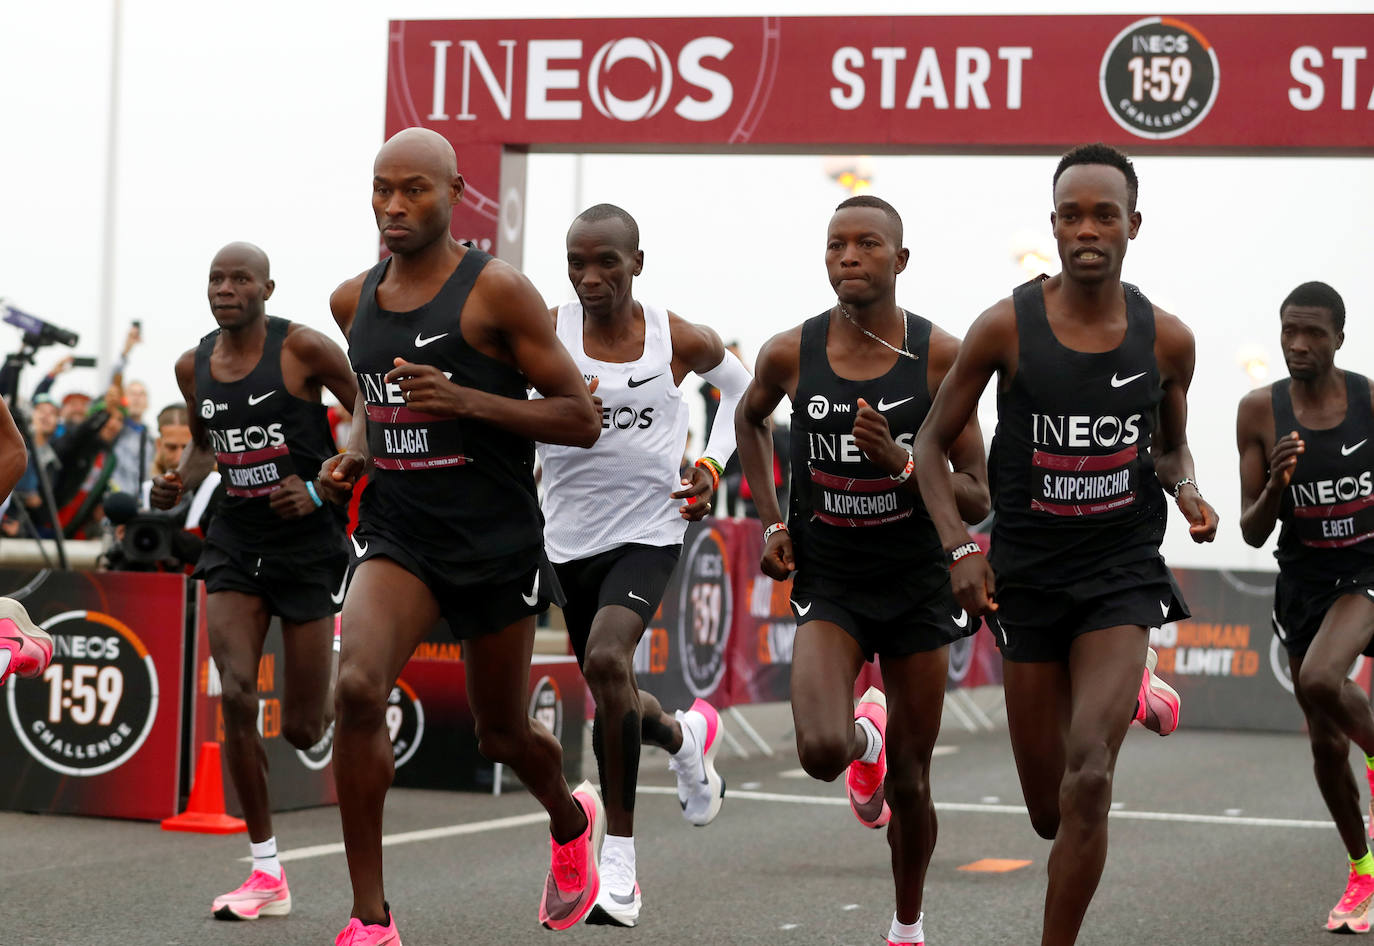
[901, 351]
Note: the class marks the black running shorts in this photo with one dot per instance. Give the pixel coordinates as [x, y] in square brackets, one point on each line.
[472, 608]
[1300, 606]
[1036, 624]
[910, 612]
[633, 576]
[297, 587]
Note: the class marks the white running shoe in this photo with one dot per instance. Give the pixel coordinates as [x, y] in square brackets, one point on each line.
[619, 901]
[700, 788]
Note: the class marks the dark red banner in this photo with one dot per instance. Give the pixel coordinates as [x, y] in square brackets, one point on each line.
[1299, 82]
[99, 733]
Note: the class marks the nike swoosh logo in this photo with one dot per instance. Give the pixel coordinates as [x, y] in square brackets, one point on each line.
[1164, 608]
[634, 384]
[422, 342]
[800, 610]
[1370, 592]
[532, 598]
[338, 596]
[360, 549]
[258, 399]
[623, 901]
[1347, 451]
[961, 619]
[1118, 382]
[884, 406]
[636, 597]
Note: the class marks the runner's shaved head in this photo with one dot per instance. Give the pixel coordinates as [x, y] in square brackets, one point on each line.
[420, 148]
[246, 255]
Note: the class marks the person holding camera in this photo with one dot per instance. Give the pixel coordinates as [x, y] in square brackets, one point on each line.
[252, 390]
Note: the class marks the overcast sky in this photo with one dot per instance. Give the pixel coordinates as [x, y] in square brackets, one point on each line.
[258, 120]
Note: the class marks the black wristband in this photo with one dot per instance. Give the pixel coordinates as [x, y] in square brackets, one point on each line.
[968, 548]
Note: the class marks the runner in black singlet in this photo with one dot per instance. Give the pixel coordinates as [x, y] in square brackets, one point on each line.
[870, 576]
[1307, 462]
[444, 340]
[1086, 365]
[252, 390]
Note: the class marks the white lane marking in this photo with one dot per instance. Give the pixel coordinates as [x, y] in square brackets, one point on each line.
[425, 834]
[850, 906]
[1232, 812]
[520, 821]
[1118, 805]
[788, 926]
[989, 799]
[751, 785]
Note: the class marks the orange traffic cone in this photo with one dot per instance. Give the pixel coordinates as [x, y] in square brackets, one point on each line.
[205, 811]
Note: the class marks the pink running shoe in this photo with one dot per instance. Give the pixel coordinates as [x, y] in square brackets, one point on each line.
[700, 788]
[893, 942]
[865, 779]
[1351, 914]
[25, 648]
[356, 933]
[1157, 704]
[571, 889]
[261, 895]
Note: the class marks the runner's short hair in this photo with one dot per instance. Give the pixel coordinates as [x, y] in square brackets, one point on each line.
[868, 200]
[1318, 295]
[1098, 153]
[599, 212]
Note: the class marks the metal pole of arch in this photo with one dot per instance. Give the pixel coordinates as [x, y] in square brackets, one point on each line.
[107, 256]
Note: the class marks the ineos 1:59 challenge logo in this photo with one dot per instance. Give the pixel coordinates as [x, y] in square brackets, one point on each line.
[96, 702]
[405, 722]
[704, 612]
[1159, 78]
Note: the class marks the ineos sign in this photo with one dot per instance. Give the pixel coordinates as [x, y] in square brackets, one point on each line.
[556, 65]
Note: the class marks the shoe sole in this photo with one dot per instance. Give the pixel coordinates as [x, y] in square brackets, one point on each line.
[1160, 692]
[598, 824]
[708, 763]
[14, 611]
[1345, 927]
[600, 916]
[275, 908]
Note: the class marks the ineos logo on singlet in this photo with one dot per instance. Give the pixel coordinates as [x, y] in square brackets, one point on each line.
[625, 418]
[1328, 492]
[843, 448]
[239, 439]
[1084, 430]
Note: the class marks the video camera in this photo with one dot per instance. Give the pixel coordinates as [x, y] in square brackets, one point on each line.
[37, 332]
[151, 539]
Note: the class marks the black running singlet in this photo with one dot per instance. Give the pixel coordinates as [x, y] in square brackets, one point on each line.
[849, 518]
[453, 490]
[1327, 510]
[262, 433]
[1073, 482]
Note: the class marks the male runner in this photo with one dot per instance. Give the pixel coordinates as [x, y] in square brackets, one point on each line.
[252, 390]
[614, 540]
[1305, 460]
[870, 576]
[444, 340]
[1092, 415]
[25, 648]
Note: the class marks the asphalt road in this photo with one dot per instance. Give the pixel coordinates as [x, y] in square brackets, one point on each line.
[1218, 838]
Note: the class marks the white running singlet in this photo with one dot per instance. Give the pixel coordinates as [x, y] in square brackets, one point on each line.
[617, 491]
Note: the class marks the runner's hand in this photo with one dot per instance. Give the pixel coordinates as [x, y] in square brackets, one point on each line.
[165, 492]
[973, 584]
[778, 562]
[1202, 518]
[874, 438]
[290, 500]
[338, 475]
[425, 389]
[1283, 458]
[698, 492]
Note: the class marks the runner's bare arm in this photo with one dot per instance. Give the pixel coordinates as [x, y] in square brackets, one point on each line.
[1176, 353]
[198, 459]
[341, 472]
[324, 362]
[775, 377]
[1266, 465]
[983, 353]
[516, 313]
[966, 454]
[13, 457]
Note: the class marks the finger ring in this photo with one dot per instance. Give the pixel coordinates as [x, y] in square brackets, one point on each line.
[406, 395]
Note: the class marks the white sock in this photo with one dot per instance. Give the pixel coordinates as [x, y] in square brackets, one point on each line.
[875, 740]
[689, 740]
[907, 932]
[265, 856]
[624, 851]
